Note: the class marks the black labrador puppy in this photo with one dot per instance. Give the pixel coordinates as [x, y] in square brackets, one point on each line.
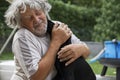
[78, 70]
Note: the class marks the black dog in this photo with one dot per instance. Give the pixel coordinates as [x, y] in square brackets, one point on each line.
[78, 70]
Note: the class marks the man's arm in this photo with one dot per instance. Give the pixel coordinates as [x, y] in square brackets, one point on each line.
[46, 63]
[73, 51]
[82, 45]
[86, 51]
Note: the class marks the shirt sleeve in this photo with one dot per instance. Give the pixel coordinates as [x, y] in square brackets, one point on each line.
[27, 55]
[75, 40]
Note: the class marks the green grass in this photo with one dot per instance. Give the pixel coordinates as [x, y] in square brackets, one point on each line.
[96, 66]
[6, 56]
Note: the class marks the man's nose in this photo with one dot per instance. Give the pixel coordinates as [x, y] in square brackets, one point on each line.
[36, 20]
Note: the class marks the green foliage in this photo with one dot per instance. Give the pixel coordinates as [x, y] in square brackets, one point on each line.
[85, 3]
[4, 30]
[108, 24]
[3, 7]
[80, 19]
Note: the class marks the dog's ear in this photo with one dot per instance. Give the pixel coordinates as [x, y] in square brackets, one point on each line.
[50, 27]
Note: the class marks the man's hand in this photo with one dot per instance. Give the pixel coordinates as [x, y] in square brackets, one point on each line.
[60, 33]
[71, 52]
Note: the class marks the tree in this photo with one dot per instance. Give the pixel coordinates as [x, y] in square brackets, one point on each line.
[81, 20]
[108, 24]
[4, 31]
[85, 3]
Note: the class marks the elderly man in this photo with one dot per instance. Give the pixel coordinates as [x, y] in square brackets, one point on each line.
[34, 49]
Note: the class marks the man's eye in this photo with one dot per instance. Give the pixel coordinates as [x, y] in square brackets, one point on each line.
[28, 17]
[38, 13]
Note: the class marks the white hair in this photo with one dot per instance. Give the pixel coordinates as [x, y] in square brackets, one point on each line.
[12, 15]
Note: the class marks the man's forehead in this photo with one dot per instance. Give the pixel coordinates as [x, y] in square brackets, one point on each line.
[28, 10]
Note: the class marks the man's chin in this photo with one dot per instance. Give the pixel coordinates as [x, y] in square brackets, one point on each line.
[40, 34]
[40, 31]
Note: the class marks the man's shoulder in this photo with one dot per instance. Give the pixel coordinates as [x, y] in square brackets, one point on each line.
[23, 33]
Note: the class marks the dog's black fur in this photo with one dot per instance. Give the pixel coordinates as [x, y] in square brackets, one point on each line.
[78, 70]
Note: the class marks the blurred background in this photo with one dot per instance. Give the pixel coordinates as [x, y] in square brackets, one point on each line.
[91, 20]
